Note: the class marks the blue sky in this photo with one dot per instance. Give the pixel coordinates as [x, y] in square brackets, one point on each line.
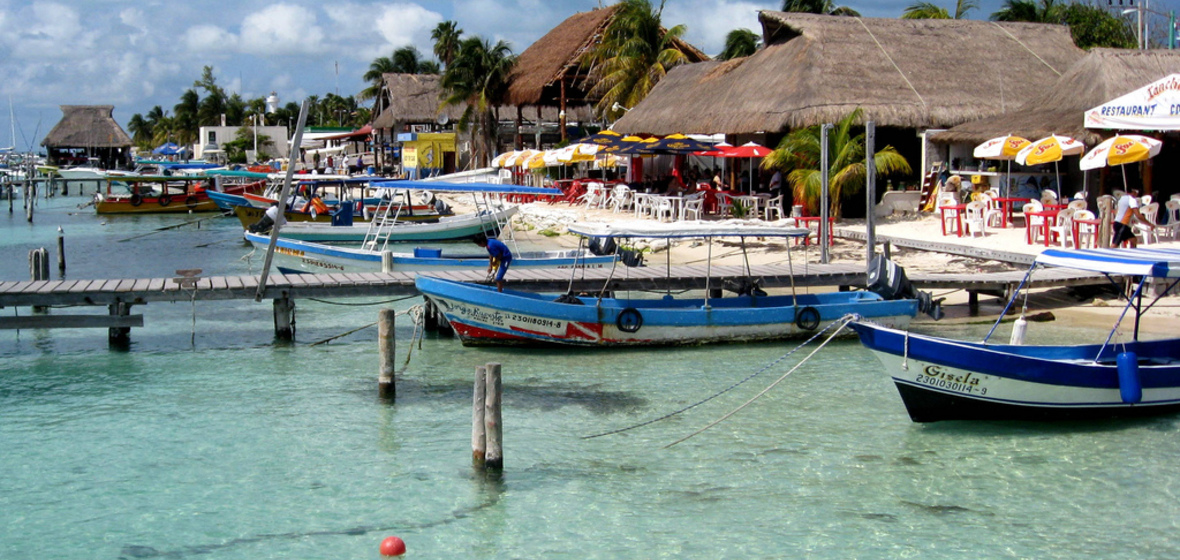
[135, 55]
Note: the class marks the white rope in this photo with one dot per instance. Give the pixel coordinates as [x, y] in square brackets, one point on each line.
[1021, 43]
[895, 67]
[843, 323]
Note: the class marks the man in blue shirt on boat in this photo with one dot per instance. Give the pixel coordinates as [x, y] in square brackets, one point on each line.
[499, 258]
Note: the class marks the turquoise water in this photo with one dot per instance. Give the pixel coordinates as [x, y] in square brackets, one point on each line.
[206, 439]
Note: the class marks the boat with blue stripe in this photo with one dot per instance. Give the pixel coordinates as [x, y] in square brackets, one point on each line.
[482, 316]
[944, 379]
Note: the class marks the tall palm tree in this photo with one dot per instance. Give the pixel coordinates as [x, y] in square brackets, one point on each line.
[799, 153]
[1042, 11]
[930, 10]
[405, 60]
[478, 79]
[185, 114]
[141, 131]
[825, 7]
[739, 43]
[446, 36]
[635, 53]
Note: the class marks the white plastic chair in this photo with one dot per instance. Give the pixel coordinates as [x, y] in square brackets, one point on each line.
[692, 205]
[1033, 223]
[664, 207]
[641, 204]
[620, 198]
[1087, 233]
[1077, 204]
[1146, 232]
[1063, 229]
[775, 206]
[993, 215]
[974, 220]
[724, 204]
[1145, 200]
[1172, 207]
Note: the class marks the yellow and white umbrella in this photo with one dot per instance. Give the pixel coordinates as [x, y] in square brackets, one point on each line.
[519, 158]
[1121, 150]
[499, 160]
[1003, 148]
[1050, 149]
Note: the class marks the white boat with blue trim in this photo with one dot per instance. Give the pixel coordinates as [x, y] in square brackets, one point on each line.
[943, 379]
[481, 316]
[311, 257]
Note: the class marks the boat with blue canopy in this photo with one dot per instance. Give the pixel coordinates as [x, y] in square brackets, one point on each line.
[1122, 376]
[482, 316]
[375, 253]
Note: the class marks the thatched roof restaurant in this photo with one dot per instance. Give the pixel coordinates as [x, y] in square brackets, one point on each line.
[814, 69]
[87, 131]
[550, 73]
[1100, 76]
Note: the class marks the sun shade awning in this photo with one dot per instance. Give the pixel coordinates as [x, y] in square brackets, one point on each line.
[466, 187]
[1160, 263]
[731, 228]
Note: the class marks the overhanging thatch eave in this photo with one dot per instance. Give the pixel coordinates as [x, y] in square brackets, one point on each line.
[87, 126]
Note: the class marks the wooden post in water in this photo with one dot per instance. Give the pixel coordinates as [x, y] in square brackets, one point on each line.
[39, 269]
[429, 317]
[119, 336]
[61, 250]
[494, 457]
[30, 196]
[284, 311]
[387, 345]
[479, 443]
[386, 261]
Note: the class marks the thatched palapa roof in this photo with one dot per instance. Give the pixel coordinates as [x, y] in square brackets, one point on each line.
[87, 126]
[557, 56]
[412, 98]
[1100, 76]
[816, 69]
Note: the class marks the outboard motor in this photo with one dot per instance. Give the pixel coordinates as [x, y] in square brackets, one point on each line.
[889, 281]
[602, 246]
[262, 225]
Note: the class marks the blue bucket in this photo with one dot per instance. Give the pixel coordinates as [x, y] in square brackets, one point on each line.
[425, 253]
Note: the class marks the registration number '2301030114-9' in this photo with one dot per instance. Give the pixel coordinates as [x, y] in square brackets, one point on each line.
[936, 376]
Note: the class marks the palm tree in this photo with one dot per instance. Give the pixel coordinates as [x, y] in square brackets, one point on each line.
[141, 130]
[635, 53]
[478, 79]
[799, 153]
[446, 36]
[405, 60]
[824, 7]
[1043, 11]
[739, 43]
[930, 10]
[184, 117]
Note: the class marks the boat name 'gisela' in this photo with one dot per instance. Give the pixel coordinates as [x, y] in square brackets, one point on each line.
[935, 376]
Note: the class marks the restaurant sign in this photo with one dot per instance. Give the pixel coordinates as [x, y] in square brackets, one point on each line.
[1155, 106]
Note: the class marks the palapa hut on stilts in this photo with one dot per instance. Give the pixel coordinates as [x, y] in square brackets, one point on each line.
[1102, 75]
[88, 134]
[550, 73]
[907, 76]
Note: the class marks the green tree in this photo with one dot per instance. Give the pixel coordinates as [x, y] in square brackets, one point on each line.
[141, 131]
[799, 155]
[235, 150]
[446, 36]
[213, 105]
[405, 60]
[739, 43]
[824, 7]
[185, 115]
[930, 10]
[635, 53]
[235, 110]
[478, 79]
[1092, 26]
[1042, 11]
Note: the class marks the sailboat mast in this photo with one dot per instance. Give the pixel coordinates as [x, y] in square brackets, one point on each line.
[12, 121]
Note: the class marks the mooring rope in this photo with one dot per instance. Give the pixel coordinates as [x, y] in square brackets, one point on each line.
[727, 389]
[324, 301]
[843, 322]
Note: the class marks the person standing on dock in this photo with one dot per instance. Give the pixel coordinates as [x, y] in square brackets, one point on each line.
[499, 258]
[1128, 207]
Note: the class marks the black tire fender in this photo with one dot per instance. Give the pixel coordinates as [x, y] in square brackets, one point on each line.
[629, 320]
[807, 318]
[136, 200]
[191, 201]
[164, 200]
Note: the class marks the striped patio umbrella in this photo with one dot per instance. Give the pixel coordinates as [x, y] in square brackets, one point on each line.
[1050, 149]
[1003, 148]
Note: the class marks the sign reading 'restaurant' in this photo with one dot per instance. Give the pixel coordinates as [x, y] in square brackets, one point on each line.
[1155, 106]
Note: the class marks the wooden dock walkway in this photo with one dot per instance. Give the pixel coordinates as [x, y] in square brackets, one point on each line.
[119, 295]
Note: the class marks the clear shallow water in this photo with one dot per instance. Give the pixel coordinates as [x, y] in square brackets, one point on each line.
[231, 446]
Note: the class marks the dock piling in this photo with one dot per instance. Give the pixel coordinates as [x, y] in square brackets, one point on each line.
[478, 429]
[284, 312]
[387, 345]
[386, 261]
[119, 337]
[39, 270]
[61, 250]
[494, 456]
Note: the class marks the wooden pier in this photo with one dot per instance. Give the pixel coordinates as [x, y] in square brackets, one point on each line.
[119, 295]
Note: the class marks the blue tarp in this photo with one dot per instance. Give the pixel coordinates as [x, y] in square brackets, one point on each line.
[1142, 261]
[167, 149]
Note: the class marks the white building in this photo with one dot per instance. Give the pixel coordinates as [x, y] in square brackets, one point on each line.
[211, 138]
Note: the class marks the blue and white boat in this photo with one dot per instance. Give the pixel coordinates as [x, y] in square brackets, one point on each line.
[943, 379]
[296, 255]
[482, 316]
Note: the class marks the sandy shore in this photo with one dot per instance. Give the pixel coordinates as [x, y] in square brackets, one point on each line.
[542, 222]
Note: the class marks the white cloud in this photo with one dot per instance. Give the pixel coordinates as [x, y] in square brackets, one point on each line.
[48, 31]
[209, 38]
[281, 29]
[709, 22]
[406, 24]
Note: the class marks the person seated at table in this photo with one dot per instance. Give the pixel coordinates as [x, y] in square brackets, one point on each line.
[717, 182]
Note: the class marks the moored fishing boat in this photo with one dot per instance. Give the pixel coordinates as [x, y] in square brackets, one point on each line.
[482, 316]
[944, 379]
[153, 195]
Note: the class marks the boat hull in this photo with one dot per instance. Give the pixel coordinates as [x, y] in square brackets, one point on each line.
[941, 379]
[451, 228]
[116, 204]
[309, 257]
[481, 316]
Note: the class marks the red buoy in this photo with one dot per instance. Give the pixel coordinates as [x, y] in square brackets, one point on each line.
[393, 546]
